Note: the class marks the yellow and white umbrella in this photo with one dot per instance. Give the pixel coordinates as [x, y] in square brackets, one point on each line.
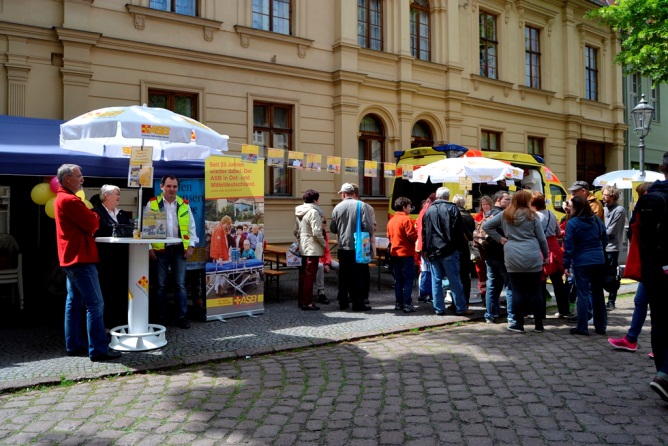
[112, 131]
[479, 169]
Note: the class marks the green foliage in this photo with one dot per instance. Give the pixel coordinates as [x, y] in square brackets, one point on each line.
[643, 28]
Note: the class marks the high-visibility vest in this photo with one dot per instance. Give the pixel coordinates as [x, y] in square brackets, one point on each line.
[183, 215]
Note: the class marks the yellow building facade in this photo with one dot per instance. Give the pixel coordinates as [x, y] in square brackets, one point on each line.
[354, 79]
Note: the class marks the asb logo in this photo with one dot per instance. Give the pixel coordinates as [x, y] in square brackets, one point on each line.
[157, 130]
[244, 300]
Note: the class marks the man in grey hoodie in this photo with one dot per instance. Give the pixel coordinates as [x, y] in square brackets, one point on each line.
[615, 218]
[344, 221]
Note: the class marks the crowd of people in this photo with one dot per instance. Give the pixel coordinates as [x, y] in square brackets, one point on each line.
[517, 244]
[223, 237]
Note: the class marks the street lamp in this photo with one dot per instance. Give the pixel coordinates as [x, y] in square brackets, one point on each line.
[642, 117]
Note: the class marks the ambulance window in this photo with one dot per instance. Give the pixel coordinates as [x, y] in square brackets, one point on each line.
[532, 180]
[558, 197]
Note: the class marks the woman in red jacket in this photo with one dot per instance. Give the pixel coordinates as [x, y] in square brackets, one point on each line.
[402, 234]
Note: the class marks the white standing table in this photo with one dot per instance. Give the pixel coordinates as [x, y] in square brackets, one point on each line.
[138, 335]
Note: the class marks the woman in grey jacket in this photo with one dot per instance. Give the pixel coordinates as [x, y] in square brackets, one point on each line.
[308, 230]
[525, 251]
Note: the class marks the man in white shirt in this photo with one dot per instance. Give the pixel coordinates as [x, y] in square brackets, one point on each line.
[180, 224]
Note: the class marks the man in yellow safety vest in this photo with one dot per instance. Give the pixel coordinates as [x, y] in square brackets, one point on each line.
[180, 224]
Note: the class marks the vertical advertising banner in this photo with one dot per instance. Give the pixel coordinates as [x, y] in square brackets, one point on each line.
[234, 236]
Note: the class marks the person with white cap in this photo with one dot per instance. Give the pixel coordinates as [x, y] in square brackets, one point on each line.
[581, 189]
[344, 221]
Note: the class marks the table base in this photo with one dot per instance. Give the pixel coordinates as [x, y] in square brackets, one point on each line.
[123, 341]
[222, 317]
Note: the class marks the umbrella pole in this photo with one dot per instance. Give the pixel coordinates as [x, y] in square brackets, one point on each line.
[139, 210]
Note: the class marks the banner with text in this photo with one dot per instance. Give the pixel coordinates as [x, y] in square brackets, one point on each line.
[234, 235]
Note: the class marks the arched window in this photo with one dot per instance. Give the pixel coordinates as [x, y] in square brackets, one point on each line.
[421, 135]
[420, 35]
[371, 145]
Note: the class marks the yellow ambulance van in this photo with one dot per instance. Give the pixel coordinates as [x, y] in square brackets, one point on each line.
[537, 177]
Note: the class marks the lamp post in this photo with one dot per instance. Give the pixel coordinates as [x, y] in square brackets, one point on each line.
[642, 118]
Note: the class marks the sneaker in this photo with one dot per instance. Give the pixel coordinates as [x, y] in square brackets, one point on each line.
[398, 307]
[539, 329]
[409, 309]
[563, 316]
[516, 329]
[489, 321]
[623, 344]
[660, 386]
[610, 306]
[529, 316]
[423, 299]
[322, 299]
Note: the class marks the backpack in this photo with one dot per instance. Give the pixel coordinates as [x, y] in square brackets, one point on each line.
[480, 237]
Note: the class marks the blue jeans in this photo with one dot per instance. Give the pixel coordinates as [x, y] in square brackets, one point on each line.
[172, 257]
[425, 276]
[589, 285]
[83, 289]
[639, 313]
[404, 274]
[441, 268]
[497, 278]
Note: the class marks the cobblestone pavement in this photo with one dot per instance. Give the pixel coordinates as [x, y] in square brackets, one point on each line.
[469, 383]
[32, 355]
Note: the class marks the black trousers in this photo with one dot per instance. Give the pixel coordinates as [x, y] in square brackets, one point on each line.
[349, 279]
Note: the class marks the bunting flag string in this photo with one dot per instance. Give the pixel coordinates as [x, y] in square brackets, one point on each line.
[281, 158]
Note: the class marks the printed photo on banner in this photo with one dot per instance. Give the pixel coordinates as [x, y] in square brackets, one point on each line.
[249, 153]
[406, 172]
[313, 162]
[370, 168]
[389, 170]
[234, 235]
[275, 157]
[351, 166]
[296, 160]
[334, 164]
[140, 173]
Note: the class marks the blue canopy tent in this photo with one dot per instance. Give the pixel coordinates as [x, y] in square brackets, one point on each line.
[30, 146]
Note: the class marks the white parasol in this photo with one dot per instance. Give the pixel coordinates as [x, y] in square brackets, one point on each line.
[623, 179]
[479, 169]
[112, 131]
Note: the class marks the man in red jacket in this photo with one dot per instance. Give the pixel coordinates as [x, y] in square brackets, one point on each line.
[403, 235]
[77, 253]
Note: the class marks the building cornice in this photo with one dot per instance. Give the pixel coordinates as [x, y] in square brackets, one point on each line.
[140, 13]
[245, 33]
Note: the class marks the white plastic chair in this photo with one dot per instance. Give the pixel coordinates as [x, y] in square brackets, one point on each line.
[10, 276]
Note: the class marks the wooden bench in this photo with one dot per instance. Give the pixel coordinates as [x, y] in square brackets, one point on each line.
[272, 277]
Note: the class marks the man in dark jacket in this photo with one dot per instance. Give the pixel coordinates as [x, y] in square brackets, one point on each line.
[442, 237]
[652, 210]
[497, 276]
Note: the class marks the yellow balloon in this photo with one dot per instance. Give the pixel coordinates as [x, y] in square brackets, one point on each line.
[88, 204]
[81, 194]
[41, 193]
[49, 209]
